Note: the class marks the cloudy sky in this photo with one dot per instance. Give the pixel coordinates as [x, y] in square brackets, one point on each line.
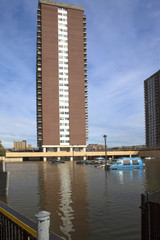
[123, 39]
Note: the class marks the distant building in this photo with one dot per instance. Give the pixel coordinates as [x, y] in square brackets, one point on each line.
[30, 147]
[152, 110]
[62, 94]
[95, 147]
[20, 146]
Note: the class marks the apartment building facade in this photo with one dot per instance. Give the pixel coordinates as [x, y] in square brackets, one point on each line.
[62, 84]
[152, 110]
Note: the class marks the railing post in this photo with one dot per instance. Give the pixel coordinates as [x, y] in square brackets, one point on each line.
[43, 219]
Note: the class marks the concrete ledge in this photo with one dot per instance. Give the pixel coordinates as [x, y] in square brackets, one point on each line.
[68, 154]
[13, 159]
[18, 156]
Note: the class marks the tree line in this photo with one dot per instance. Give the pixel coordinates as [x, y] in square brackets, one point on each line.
[2, 150]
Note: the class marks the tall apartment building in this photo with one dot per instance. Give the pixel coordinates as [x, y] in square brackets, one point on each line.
[62, 93]
[152, 110]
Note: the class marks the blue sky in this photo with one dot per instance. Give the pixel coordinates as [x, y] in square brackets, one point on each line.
[123, 38]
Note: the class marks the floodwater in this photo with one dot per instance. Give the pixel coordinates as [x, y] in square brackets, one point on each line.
[85, 202]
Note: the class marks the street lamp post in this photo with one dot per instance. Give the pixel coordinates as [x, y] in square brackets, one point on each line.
[105, 139]
[73, 153]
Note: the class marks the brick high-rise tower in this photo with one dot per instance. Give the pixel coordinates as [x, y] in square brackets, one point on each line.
[62, 96]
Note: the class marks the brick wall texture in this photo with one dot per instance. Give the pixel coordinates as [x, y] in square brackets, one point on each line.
[50, 81]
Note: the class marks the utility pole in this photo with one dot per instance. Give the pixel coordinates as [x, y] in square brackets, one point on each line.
[105, 139]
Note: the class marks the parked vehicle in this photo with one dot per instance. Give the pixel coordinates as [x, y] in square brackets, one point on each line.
[125, 163]
[56, 161]
[98, 160]
[82, 162]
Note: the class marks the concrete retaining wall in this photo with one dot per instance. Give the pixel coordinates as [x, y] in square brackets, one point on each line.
[16, 159]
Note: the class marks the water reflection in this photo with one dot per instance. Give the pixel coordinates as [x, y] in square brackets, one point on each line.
[64, 195]
[152, 175]
[65, 209]
[128, 175]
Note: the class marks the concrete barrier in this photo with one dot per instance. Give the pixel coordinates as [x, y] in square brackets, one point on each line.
[12, 159]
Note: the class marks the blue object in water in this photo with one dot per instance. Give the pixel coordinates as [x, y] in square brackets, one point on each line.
[126, 163]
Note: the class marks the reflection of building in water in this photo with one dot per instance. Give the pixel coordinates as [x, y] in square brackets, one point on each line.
[152, 175]
[64, 194]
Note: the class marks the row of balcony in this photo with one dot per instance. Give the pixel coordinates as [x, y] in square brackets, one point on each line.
[39, 103]
[39, 62]
[39, 99]
[86, 100]
[85, 52]
[38, 46]
[85, 74]
[39, 21]
[39, 91]
[39, 115]
[86, 93]
[39, 75]
[39, 80]
[39, 57]
[39, 34]
[39, 28]
[39, 109]
[84, 19]
[39, 121]
[39, 12]
[39, 86]
[39, 38]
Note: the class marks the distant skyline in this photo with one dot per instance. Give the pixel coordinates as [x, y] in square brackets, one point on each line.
[123, 39]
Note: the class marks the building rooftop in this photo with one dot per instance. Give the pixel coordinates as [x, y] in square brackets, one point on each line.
[152, 75]
[64, 5]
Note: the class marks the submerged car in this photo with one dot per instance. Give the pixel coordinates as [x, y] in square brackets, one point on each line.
[126, 163]
[56, 161]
